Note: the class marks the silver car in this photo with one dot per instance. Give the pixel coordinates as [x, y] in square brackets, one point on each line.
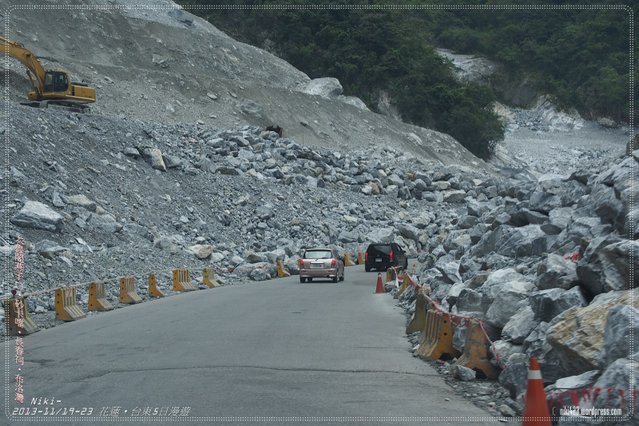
[321, 262]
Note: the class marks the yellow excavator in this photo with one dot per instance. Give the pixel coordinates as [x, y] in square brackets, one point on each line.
[50, 86]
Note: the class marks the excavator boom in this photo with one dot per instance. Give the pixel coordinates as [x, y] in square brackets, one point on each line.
[28, 59]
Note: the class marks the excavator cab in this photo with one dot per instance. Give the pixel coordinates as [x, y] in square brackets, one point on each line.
[56, 81]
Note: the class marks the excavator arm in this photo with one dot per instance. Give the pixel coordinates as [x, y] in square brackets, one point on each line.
[49, 87]
[28, 59]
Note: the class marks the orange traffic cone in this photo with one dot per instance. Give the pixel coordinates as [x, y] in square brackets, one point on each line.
[380, 284]
[536, 408]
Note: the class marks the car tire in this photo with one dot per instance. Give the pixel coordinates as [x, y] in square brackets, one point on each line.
[367, 268]
[302, 280]
[309, 279]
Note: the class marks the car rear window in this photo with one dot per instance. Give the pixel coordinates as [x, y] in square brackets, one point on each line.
[383, 248]
[318, 254]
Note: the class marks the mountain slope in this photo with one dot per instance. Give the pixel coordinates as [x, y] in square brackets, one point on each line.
[158, 63]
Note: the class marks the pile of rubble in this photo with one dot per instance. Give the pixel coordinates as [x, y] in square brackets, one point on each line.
[548, 267]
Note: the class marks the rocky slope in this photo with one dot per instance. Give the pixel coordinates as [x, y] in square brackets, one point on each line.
[126, 186]
[154, 60]
[548, 266]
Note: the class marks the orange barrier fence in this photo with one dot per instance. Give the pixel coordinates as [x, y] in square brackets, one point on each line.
[437, 336]
[17, 317]
[208, 278]
[97, 297]
[154, 291]
[418, 322]
[66, 308]
[182, 280]
[128, 293]
[475, 353]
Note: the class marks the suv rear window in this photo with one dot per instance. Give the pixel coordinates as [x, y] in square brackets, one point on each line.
[384, 248]
[318, 254]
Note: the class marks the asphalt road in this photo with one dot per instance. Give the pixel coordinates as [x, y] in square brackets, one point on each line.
[277, 352]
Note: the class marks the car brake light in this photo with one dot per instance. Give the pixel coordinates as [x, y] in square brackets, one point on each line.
[392, 255]
[333, 262]
[366, 255]
[300, 262]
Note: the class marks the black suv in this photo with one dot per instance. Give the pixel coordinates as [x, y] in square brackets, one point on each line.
[382, 256]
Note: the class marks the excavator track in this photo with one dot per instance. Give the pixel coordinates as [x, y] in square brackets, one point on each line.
[68, 105]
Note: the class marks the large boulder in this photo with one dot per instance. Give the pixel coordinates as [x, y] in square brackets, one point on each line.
[556, 272]
[476, 208]
[509, 241]
[559, 394]
[81, 200]
[462, 373]
[520, 325]
[580, 229]
[544, 202]
[619, 377]
[606, 205]
[550, 362]
[170, 243]
[381, 235]
[606, 266]
[523, 217]
[578, 333]
[515, 376]
[247, 269]
[467, 222]
[260, 274]
[504, 350]
[201, 251]
[470, 300]
[103, 223]
[631, 223]
[352, 100]
[454, 196]
[553, 193]
[453, 293]
[527, 240]
[504, 306]
[347, 236]
[622, 325]
[37, 215]
[450, 271]
[558, 220]
[157, 161]
[547, 304]
[620, 176]
[409, 231]
[252, 257]
[485, 240]
[504, 280]
[49, 249]
[478, 279]
[327, 87]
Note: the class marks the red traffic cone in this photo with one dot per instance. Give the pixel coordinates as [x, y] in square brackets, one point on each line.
[380, 284]
[535, 408]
